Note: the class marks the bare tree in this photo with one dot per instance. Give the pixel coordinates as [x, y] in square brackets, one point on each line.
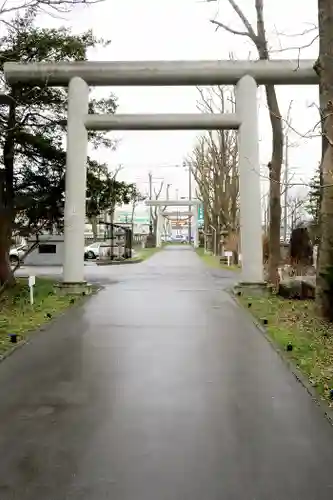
[214, 166]
[113, 200]
[157, 194]
[296, 204]
[136, 198]
[324, 68]
[49, 6]
[258, 37]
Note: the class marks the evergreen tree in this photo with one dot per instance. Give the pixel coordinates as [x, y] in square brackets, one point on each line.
[33, 128]
[313, 205]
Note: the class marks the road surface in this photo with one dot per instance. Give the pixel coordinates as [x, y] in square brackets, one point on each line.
[159, 388]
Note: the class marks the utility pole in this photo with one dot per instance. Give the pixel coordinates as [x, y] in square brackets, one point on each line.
[167, 222]
[286, 176]
[150, 176]
[167, 191]
[190, 206]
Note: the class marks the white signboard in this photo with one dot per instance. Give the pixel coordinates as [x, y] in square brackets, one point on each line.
[229, 256]
[31, 283]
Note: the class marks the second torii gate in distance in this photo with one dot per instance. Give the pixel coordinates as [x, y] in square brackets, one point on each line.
[174, 203]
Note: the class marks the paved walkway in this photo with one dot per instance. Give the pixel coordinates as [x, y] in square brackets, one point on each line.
[159, 388]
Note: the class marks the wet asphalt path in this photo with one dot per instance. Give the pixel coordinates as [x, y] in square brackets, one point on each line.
[159, 388]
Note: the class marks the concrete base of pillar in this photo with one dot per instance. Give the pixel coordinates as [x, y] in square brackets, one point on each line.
[79, 288]
[259, 288]
[150, 241]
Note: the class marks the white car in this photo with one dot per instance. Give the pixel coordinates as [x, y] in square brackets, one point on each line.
[16, 254]
[179, 238]
[166, 238]
[92, 251]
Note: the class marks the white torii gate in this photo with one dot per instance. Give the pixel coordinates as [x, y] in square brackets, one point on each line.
[190, 217]
[246, 75]
[174, 203]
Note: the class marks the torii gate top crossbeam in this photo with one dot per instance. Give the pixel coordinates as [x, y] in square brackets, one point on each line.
[176, 214]
[159, 73]
[172, 203]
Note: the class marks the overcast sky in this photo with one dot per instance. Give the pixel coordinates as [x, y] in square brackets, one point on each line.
[180, 29]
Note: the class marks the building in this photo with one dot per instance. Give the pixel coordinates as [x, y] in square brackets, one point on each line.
[48, 252]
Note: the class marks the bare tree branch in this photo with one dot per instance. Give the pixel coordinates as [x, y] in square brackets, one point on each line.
[58, 5]
[244, 19]
[218, 25]
[298, 48]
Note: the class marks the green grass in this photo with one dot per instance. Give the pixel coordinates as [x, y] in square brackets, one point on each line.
[18, 316]
[145, 253]
[295, 322]
[213, 261]
[174, 243]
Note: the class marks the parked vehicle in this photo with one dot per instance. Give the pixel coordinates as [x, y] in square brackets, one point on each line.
[192, 239]
[100, 249]
[91, 251]
[179, 238]
[166, 238]
[16, 254]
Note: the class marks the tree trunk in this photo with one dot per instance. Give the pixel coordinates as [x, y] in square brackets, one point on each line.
[7, 197]
[324, 290]
[324, 68]
[155, 226]
[93, 222]
[132, 219]
[214, 224]
[6, 274]
[274, 185]
[277, 154]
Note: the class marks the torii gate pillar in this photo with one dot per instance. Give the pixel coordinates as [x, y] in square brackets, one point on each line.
[159, 227]
[249, 182]
[75, 182]
[195, 228]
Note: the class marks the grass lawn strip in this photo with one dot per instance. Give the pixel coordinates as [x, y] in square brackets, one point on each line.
[295, 322]
[145, 253]
[141, 255]
[214, 261]
[19, 317]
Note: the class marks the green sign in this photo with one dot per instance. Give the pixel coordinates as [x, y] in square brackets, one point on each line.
[127, 217]
[200, 214]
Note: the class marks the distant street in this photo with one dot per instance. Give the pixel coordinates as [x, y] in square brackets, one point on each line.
[158, 388]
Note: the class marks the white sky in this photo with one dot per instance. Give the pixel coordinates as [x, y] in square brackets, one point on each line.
[180, 29]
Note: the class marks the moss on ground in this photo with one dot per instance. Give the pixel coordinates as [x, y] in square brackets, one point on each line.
[18, 316]
[295, 322]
